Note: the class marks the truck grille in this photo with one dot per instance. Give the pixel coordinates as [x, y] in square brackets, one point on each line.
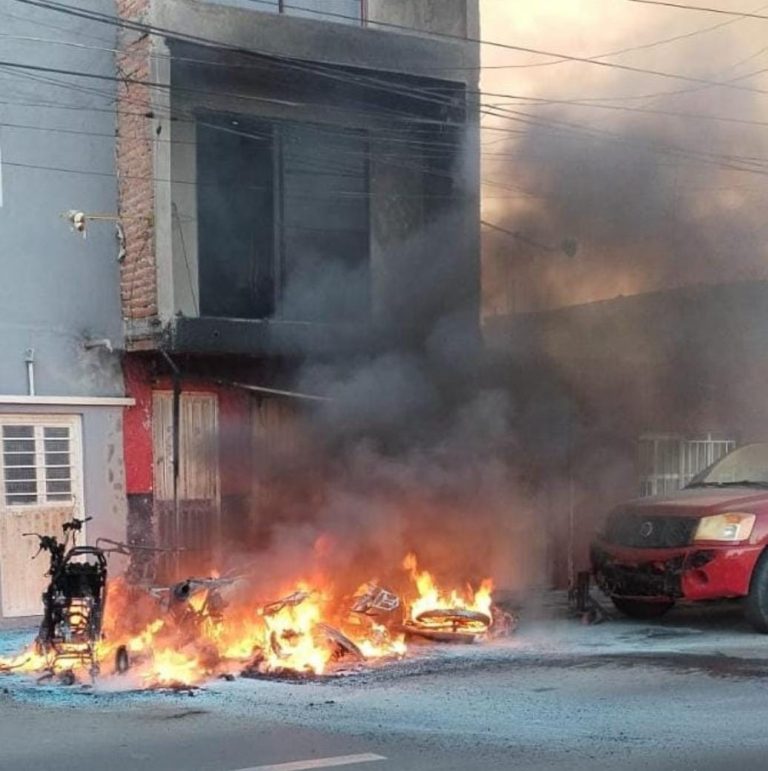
[650, 532]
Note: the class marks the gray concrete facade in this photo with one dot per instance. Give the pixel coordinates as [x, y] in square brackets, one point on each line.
[58, 289]
[103, 477]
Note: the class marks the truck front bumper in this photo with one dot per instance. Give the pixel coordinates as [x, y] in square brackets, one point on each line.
[691, 573]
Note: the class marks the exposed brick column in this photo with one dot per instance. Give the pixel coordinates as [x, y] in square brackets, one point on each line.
[135, 166]
[138, 275]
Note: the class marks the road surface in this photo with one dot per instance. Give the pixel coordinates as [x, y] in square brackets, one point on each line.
[688, 692]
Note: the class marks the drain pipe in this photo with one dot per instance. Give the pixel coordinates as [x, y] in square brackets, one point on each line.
[29, 360]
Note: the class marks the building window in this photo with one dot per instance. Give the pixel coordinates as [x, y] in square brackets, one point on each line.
[37, 464]
[340, 11]
[343, 11]
[283, 220]
[669, 462]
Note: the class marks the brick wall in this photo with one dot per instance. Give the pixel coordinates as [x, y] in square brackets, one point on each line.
[135, 167]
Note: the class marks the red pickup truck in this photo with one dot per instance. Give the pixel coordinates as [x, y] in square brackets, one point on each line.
[705, 542]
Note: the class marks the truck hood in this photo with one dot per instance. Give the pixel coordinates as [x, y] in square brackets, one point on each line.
[699, 501]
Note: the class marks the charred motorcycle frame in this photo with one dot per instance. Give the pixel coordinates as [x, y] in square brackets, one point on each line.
[73, 602]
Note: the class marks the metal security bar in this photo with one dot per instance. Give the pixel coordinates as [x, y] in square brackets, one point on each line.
[669, 462]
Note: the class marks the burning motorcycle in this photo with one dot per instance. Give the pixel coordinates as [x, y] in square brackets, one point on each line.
[73, 603]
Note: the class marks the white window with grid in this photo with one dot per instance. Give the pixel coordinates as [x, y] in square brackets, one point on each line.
[40, 460]
[668, 462]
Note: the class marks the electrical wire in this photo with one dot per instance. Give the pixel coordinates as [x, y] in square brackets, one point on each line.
[684, 7]
[536, 102]
[580, 103]
[499, 112]
[559, 126]
[160, 31]
[111, 20]
[606, 55]
[389, 86]
[252, 134]
[49, 5]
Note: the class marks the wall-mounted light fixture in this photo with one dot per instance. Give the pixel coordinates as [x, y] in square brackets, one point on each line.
[79, 220]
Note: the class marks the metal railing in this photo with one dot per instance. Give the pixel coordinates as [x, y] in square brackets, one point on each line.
[669, 462]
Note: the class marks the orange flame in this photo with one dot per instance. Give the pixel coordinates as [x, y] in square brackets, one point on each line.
[432, 597]
[218, 631]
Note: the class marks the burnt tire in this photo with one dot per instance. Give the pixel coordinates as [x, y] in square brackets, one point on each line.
[756, 602]
[642, 609]
[67, 677]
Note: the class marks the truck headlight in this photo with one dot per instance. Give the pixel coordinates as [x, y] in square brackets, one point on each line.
[731, 526]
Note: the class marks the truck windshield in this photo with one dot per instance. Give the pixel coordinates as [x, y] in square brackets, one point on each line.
[747, 465]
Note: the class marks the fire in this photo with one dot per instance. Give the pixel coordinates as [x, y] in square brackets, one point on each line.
[437, 609]
[287, 635]
[381, 645]
[28, 661]
[290, 638]
[203, 627]
[169, 667]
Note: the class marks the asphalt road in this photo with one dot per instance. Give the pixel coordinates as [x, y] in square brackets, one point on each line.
[686, 693]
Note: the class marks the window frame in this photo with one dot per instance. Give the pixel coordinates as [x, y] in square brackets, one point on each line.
[39, 423]
[279, 129]
[363, 11]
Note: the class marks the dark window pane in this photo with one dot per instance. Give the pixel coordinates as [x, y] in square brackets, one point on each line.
[57, 445]
[268, 6]
[63, 486]
[18, 432]
[17, 500]
[18, 445]
[56, 432]
[235, 213]
[15, 490]
[325, 224]
[340, 11]
[17, 474]
[19, 462]
[57, 473]
[299, 188]
[19, 459]
[57, 459]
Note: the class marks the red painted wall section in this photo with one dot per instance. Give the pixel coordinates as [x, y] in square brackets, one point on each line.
[234, 428]
[137, 426]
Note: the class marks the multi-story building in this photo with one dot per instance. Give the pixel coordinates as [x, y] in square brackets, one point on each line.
[298, 180]
[196, 199]
[61, 385]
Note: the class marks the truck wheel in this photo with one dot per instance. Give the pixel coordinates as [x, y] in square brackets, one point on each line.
[642, 609]
[756, 603]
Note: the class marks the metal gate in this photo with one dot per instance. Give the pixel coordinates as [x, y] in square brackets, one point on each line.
[669, 462]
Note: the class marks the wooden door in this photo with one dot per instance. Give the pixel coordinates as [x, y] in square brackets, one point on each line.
[40, 489]
[192, 522]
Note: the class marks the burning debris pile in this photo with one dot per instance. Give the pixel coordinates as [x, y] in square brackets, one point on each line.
[439, 616]
[181, 635]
